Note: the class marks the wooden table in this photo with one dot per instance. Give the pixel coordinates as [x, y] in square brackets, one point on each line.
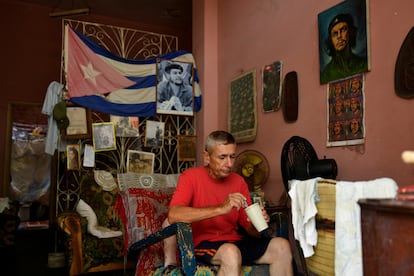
[387, 227]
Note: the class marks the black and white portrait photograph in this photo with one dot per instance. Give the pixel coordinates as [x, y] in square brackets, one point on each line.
[154, 134]
[343, 41]
[140, 162]
[103, 136]
[125, 126]
[174, 87]
[73, 157]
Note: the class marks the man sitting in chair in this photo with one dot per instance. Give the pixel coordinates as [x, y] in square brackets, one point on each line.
[211, 198]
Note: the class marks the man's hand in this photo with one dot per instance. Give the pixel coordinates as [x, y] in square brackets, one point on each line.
[176, 103]
[265, 214]
[235, 200]
[166, 105]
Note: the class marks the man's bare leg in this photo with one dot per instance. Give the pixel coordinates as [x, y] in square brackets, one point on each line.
[170, 248]
[279, 257]
[229, 259]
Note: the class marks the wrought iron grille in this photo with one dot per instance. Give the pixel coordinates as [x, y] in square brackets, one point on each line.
[131, 44]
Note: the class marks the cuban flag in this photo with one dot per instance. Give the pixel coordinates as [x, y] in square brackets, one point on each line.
[102, 81]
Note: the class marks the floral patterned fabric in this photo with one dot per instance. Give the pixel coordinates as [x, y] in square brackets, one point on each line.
[97, 251]
[201, 270]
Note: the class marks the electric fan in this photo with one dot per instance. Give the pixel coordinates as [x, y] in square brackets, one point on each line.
[253, 167]
[299, 161]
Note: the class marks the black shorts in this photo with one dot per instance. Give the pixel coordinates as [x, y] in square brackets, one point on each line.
[250, 248]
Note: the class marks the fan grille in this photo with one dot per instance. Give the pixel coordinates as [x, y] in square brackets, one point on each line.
[297, 152]
[259, 165]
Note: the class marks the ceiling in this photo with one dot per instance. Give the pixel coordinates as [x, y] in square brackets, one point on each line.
[174, 13]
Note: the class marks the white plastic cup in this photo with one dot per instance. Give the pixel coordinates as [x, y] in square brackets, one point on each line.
[254, 213]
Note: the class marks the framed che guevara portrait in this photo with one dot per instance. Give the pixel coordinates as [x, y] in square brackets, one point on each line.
[175, 93]
[344, 40]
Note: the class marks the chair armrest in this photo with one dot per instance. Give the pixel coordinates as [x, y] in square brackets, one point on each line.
[70, 223]
[185, 245]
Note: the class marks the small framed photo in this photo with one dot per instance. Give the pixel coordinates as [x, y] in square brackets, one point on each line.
[258, 197]
[154, 134]
[175, 93]
[140, 162]
[79, 122]
[125, 126]
[187, 148]
[103, 136]
[73, 157]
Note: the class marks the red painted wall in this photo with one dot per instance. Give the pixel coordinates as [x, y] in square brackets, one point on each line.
[31, 52]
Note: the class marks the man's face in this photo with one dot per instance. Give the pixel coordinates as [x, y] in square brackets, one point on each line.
[340, 36]
[221, 160]
[354, 105]
[354, 85]
[337, 128]
[355, 126]
[176, 76]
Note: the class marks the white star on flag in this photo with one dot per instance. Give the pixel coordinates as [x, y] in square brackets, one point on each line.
[90, 73]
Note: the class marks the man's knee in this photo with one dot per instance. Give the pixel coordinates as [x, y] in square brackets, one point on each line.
[228, 254]
[281, 247]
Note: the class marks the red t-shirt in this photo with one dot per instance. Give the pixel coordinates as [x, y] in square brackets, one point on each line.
[197, 189]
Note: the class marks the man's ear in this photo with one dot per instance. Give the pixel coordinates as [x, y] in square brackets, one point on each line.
[206, 158]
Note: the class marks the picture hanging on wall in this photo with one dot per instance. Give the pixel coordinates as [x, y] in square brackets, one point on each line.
[346, 124]
[242, 107]
[79, 122]
[125, 126]
[140, 162]
[73, 157]
[174, 87]
[103, 136]
[344, 40]
[187, 147]
[272, 86]
[154, 134]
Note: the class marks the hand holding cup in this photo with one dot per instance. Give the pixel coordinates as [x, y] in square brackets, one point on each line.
[255, 215]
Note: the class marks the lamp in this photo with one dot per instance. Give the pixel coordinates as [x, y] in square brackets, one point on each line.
[60, 14]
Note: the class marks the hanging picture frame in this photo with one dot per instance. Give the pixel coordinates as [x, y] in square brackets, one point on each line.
[79, 122]
[73, 154]
[140, 162]
[154, 134]
[272, 86]
[346, 112]
[175, 87]
[103, 136]
[242, 107]
[187, 147]
[125, 126]
[344, 40]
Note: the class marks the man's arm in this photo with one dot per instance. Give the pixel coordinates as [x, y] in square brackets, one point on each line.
[193, 214]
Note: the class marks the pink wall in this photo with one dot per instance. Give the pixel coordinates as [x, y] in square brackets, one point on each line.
[254, 33]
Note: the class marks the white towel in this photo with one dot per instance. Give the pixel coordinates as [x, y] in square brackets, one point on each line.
[348, 244]
[302, 194]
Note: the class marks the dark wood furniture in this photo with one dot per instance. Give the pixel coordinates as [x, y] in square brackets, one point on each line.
[387, 227]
